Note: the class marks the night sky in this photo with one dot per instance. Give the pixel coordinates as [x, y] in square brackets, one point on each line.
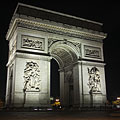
[106, 13]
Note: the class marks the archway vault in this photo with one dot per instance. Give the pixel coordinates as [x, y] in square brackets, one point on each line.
[65, 53]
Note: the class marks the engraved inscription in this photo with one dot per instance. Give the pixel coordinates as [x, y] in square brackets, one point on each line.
[33, 42]
[92, 52]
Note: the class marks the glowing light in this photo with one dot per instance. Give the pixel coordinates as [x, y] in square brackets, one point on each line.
[118, 98]
[49, 109]
[57, 100]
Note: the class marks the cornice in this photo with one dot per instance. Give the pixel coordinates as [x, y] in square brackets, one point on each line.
[53, 27]
[90, 63]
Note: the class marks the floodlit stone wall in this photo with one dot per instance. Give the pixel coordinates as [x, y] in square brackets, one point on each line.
[33, 42]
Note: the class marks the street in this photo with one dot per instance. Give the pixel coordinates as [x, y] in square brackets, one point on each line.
[60, 115]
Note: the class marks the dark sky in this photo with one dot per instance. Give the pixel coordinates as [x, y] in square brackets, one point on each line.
[106, 12]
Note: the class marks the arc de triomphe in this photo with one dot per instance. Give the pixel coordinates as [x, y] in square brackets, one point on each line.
[38, 35]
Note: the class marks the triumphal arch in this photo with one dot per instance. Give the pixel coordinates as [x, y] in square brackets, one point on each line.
[38, 35]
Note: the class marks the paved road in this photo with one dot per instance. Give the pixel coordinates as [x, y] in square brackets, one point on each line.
[66, 115]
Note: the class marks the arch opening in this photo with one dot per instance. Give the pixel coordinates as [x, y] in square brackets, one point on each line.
[65, 57]
[54, 79]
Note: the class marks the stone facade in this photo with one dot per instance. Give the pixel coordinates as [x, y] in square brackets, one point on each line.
[34, 41]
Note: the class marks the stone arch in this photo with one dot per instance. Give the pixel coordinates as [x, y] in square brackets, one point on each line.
[64, 52]
[38, 38]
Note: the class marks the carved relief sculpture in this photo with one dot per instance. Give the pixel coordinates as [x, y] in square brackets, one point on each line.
[92, 52]
[94, 80]
[32, 42]
[31, 77]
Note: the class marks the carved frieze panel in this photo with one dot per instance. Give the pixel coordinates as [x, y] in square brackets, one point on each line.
[86, 34]
[32, 77]
[31, 42]
[94, 80]
[92, 52]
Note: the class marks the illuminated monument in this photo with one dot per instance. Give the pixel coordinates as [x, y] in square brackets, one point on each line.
[36, 36]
